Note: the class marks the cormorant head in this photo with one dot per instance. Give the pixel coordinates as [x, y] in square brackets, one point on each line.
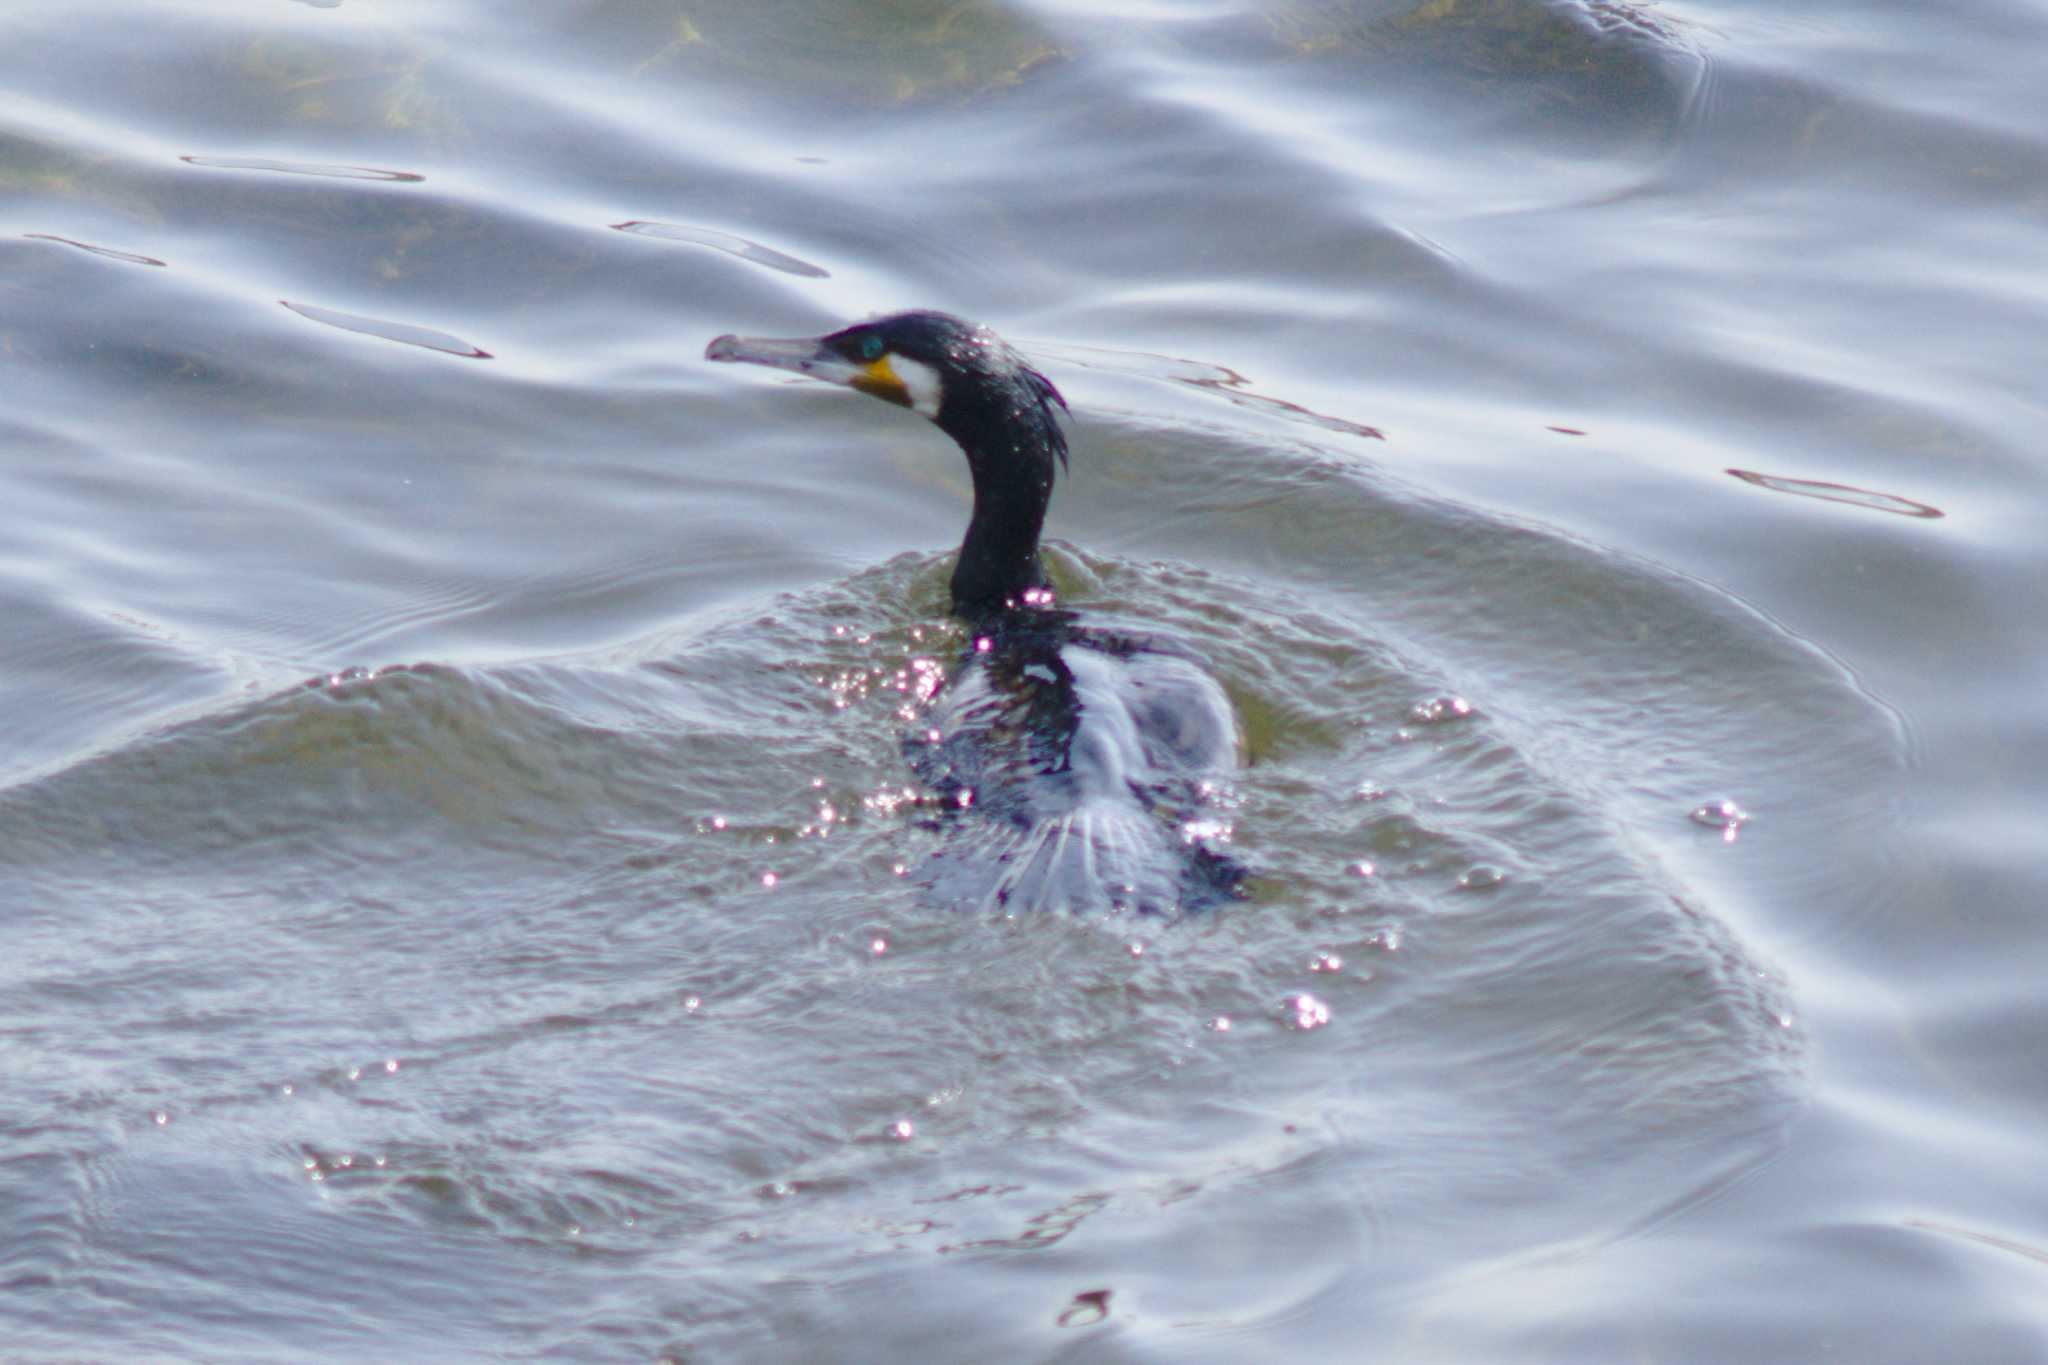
[965, 378]
[977, 390]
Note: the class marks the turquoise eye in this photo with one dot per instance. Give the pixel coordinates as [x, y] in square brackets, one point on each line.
[871, 348]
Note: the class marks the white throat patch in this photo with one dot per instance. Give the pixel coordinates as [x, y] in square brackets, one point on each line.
[927, 391]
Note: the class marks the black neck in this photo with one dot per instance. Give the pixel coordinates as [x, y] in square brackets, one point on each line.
[1010, 455]
[999, 559]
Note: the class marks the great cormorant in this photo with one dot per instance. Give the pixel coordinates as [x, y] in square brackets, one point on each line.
[1078, 761]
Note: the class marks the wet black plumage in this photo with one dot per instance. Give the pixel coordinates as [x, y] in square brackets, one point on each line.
[1076, 761]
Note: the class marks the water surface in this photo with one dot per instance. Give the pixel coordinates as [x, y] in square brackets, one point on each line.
[456, 859]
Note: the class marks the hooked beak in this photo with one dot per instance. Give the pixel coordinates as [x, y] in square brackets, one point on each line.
[811, 357]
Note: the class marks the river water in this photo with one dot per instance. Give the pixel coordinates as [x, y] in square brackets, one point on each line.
[454, 840]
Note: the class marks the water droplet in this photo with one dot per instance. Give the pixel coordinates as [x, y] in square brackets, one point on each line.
[288, 1090]
[1481, 878]
[1723, 815]
[161, 1118]
[1326, 962]
[768, 879]
[878, 946]
[1220, 1024]
[390, 1065]
[901, 1130]
[355, 1073]
[1438, 710]
[691, 1004]
[1304, 1012]
[1362, 869]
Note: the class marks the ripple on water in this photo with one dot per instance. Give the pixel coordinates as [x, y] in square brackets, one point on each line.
[407, 333]
[247, 163]
[131, 257]
[727, 242]
[1840, 492]
[619, 916]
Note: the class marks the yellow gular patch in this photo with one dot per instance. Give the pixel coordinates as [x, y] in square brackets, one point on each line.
[878, 378]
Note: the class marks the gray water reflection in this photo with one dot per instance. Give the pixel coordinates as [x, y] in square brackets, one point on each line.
[509, 988]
